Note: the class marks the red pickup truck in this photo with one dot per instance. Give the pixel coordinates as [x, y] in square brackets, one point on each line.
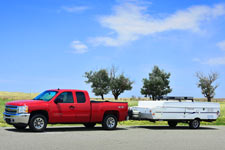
[64, 106]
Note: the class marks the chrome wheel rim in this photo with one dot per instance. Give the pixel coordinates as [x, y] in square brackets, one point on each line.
[39, 123]
[111, 122]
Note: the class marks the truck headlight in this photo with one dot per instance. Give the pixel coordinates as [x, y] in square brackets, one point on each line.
[23, 109]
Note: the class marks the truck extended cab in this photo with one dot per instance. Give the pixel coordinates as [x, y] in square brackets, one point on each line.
[64, 106]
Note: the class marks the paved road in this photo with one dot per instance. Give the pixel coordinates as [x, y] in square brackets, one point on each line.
[124, 138]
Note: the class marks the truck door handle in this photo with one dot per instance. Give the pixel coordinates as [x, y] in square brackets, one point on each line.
[71, 107]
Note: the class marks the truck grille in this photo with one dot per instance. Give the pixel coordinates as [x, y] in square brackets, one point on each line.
[11, 109]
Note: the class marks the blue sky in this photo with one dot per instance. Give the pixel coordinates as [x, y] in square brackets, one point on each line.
[48, 44]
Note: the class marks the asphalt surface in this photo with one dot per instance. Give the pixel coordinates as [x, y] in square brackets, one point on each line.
[124, 138]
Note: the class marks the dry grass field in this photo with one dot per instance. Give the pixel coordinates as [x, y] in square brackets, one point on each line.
[16, 95]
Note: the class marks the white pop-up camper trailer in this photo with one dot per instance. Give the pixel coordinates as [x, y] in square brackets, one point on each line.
[173, 111]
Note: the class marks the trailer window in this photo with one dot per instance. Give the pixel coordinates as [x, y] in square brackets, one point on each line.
[80, 97]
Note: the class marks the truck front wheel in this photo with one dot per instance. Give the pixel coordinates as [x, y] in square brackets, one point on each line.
[109, 122]
[172, 124]
[194, 124]
[38, 123]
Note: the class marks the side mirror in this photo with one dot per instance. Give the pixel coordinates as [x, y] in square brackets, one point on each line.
[58, 100]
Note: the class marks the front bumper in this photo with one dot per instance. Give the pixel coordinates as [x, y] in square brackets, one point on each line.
[16, 118]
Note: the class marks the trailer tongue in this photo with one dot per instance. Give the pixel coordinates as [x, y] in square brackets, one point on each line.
[175, 110]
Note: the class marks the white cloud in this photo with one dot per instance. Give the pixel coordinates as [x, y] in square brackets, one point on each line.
[196, 60]
[6, 81]
[79, 47]
[221, 45]
[130, 21]
[74, 8]
[216, 61]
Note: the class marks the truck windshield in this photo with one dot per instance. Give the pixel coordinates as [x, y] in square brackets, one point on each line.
[46, 96]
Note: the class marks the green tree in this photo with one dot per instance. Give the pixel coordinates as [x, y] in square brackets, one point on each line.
[157, 84]
[206, 84]
[119, 84]
[99, 82]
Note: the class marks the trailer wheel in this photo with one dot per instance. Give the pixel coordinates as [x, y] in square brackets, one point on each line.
[172, 124]
[38, 123]
[109, 122]
[89, 125]
[194, 124]
[20, 126]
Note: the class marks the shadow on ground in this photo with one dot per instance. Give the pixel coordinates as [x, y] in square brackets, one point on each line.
[176, 128]
[64, 129]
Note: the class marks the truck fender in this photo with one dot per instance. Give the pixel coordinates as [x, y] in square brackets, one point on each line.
[42, 112]
[111, 112]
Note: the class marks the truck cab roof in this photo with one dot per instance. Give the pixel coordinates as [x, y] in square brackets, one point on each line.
[62, 90]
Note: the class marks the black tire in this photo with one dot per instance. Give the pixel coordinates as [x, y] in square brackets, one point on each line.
[89, 125]
[38, 123]
[20, 126]
[109, 122]
[194, 124]
[172, 124]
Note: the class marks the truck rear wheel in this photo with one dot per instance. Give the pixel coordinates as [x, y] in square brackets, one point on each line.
[109, 122]
[172, 124]
[194, 124]
[38, 123]
[20, 126]
[89, 125]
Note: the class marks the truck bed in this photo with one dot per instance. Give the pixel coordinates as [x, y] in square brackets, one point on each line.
[94, 101]
[99, 107]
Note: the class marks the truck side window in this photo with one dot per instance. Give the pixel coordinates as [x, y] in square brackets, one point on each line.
[80, 97]
[67, 97]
